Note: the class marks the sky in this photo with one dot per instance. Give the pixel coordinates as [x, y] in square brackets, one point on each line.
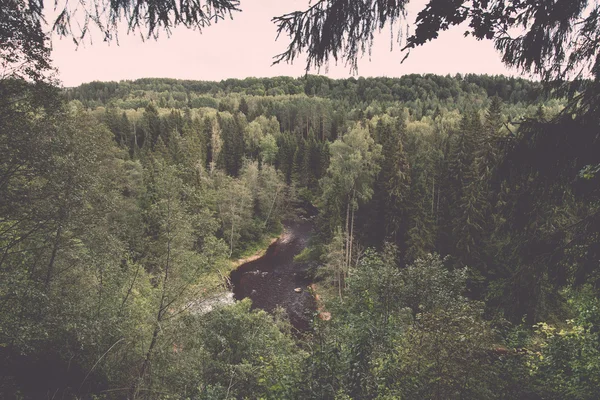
[245, 46]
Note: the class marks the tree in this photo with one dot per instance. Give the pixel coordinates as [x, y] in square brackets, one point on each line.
[392, 185]
[234, 207]
[270, 196]
[268, 149]
[468, 211]
[65, 263]
[421, 205]
[490, 142]
[568, 363]
[493, 119]
[211, 133]
[24, 49]
[335, 260]
[243, 107]
[557, 40]
[441, 352]
[170, 258]
[348, 181]
[253, 138]
[335, 28]
[232, 153]
[194, 144]
[235, 364]
[150, 128]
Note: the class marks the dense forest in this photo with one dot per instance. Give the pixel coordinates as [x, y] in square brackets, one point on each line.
[455, 220]
[449, 269]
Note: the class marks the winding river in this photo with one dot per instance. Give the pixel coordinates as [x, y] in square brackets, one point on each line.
[276, 279]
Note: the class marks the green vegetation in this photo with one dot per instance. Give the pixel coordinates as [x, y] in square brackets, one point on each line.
[115, 220]
[457, 239]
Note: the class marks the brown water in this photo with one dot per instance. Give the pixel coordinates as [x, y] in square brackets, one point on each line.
[276, 280]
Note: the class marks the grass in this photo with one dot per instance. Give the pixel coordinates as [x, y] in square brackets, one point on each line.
[256, 249]
[307, 254]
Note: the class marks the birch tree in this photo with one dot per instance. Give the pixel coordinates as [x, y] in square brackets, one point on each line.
[349, 182]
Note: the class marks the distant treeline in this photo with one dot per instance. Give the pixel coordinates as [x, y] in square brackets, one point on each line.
[174, 93]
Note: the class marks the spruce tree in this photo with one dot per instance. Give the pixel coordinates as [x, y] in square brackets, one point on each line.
[469, 207]
[243, 107]
[207, 134]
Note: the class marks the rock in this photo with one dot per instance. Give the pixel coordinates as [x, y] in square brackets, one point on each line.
[324, 315]
[264, 274]
[298, 290]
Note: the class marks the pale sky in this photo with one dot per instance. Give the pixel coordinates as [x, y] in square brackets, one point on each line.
[244, 47]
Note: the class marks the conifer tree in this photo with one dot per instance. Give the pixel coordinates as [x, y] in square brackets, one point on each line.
[420, 232]
[394, 177]
[286, 144]
[243, 107]
[125, 130]
[113, 121]
[468, 216]
[300, 166]
[207, 134]
[231, 157]
[150, 127]
[490, 140]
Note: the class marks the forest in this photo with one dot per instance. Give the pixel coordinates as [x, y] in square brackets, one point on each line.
[453, 252]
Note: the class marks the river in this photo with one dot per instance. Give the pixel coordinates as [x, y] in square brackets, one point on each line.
[276, 279]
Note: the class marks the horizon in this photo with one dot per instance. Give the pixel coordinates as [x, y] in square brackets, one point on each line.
[303, 76]
[244, 47]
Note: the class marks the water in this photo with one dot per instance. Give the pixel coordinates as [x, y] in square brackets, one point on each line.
[276, 280]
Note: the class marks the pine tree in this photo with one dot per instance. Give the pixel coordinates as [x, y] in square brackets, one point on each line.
[125, 130]
[243, 107]
[300, 170]
[493, 120]
[469, 207]
[231, 157]
[112, 121]
[489, 143]
[150, 125]
[395, 176]
[420, 234]
[286, 144]
[207, 134]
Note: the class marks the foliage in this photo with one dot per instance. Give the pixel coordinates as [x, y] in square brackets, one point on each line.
[24, 51]
[223, 358]
[337, 28]
[567, 363]
[74, 21]
[121, 207]
[143, 208]
[321, 91]
[404, 333]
